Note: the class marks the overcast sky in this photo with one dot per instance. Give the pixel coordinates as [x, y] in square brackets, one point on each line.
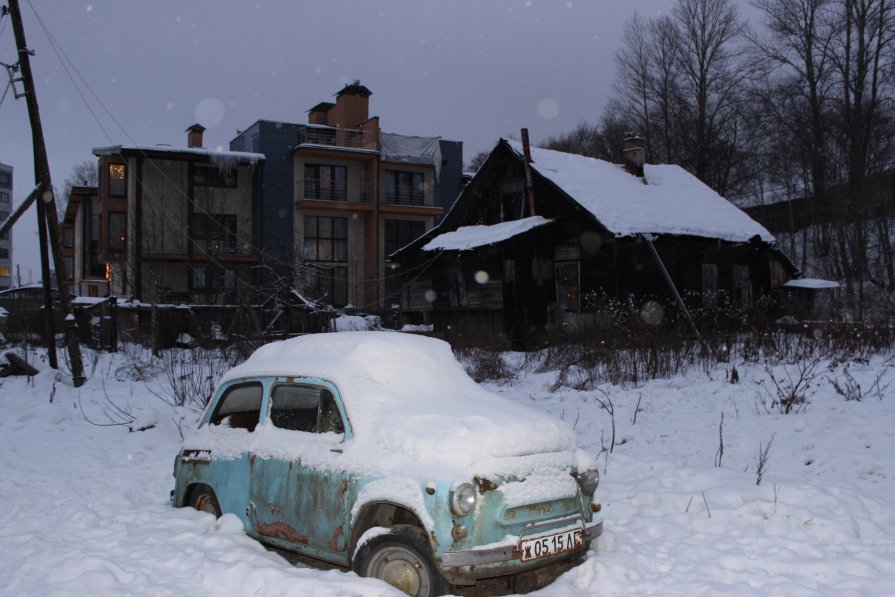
[469, 70]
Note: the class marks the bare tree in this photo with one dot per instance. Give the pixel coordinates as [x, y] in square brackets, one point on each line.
[84, 174]
[477, 160]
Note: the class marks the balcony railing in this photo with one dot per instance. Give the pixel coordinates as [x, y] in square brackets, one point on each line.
[416, 198]
[335, 137]
[327, 190]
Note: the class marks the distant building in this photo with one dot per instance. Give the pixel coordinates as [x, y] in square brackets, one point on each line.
[338, 195]
[6, 239]
[165, 224]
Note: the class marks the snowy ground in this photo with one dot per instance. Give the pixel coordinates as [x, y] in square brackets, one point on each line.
[85, 507]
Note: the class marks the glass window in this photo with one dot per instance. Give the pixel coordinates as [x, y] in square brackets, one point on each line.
[217, 230]
[240, 406]
[404, 188]
[117, 232]
[68, 237]
[325, 252]
[4, 272]
[302, 407]
[213, 278]
[4, 197]
[5, 179]
[326, 182]
[399, 233]
[207, 175]
[567, 286]
[117, 180]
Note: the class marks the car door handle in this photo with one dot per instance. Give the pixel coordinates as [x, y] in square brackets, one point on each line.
[336, 450]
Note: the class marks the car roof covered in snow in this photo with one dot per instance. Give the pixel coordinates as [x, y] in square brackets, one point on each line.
[406, 393]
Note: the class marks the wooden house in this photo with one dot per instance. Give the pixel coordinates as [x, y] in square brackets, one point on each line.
[542, 244]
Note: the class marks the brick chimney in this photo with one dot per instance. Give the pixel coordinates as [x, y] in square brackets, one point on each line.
[194, 136]
[635, 154]
[352, 106]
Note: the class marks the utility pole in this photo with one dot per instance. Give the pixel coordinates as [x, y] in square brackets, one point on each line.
[46, 208]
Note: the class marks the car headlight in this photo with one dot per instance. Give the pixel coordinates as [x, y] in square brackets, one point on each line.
[590, 480]
[463, 499]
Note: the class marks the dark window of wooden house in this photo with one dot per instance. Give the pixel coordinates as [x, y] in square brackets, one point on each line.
[568, 286]
[512, 196]
[68, 237]
[709, 285]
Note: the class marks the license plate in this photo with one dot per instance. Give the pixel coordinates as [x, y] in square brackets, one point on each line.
[550, 545]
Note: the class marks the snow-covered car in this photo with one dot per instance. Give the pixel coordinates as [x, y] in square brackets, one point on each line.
[375, 451]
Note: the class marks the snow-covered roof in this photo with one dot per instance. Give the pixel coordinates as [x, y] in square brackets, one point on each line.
[407, 396]
[811, 283]
[470, 237]
[672, 201]
[214, 155]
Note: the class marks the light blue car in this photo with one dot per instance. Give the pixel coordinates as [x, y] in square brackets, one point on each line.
[375, 451]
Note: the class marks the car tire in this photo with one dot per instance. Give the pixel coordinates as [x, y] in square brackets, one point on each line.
[203, 499]
[402, 558]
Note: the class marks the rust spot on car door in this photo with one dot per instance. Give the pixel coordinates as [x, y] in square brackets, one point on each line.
[342, 491]
[334, 542]
[281, 530]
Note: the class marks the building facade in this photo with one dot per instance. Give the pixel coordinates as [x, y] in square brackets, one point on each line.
[6, 239]
[339, 195]
[166, 225]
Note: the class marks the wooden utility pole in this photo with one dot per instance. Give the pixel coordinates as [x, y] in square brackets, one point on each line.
[48, 221]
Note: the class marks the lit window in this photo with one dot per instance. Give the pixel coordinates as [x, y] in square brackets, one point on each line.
[117, 180]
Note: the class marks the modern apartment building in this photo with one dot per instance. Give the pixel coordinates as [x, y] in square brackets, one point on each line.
[6, 239]
[165, 224]
[338, 196]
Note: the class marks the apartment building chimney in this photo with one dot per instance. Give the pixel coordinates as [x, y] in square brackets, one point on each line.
[352, 106]
[635, 154]
[194, 136]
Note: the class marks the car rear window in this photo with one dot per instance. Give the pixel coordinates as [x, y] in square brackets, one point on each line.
[303, 407]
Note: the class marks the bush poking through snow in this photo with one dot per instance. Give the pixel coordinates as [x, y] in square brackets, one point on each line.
[761, 461]
[485, 365]
[791, 388]
[191, 375]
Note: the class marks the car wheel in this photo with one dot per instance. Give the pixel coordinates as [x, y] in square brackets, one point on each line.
[204, 500]
[402, 558]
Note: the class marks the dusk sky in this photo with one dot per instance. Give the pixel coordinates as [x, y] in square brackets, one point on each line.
[468, 70]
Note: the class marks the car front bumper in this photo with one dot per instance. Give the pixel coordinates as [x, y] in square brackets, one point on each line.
[486, 561]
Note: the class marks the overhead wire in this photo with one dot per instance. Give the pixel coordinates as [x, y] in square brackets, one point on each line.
[295, 266]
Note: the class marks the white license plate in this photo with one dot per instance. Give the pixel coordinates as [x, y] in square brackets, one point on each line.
[550, 545]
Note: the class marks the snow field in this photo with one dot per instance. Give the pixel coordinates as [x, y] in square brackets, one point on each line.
[85, 507]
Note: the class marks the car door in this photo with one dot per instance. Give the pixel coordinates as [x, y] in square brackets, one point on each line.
[298, 487]
[220, 459]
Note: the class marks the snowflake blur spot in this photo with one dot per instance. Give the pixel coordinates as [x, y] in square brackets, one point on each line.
[482, 277]
[548, 108]
[652, 313]
[282, 213]
[431, 295]
[591, 242]
[89, 7]
[210, 112]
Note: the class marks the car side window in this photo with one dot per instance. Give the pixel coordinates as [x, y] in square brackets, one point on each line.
[239, 407]
[304, 407]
